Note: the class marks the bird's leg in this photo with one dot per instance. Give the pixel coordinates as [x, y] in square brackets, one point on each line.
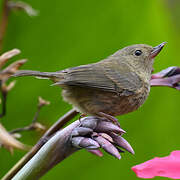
[81, 116]
[110, 118]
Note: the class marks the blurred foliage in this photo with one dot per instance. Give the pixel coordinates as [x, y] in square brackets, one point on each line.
[71, 33]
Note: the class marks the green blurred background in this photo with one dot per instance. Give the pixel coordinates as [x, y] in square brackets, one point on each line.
[71, 33]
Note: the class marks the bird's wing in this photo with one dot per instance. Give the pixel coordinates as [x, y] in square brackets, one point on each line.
[107, 76]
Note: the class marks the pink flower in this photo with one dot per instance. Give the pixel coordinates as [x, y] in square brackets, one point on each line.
[168, 166]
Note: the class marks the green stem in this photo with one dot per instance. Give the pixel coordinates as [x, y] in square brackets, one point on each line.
[53, 152]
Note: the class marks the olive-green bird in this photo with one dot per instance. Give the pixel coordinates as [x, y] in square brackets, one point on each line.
[114, 86]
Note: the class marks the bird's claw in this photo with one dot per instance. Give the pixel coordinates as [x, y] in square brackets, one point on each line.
[95, 132]
[109, 118]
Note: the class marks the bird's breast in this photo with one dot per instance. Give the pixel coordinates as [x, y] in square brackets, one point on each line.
[91, 101]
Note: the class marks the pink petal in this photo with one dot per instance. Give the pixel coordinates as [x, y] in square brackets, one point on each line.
[168, 166]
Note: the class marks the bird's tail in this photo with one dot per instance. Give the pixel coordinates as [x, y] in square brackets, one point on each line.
[55, 76]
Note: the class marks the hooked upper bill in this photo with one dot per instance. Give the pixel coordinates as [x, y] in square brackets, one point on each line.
[156, 50]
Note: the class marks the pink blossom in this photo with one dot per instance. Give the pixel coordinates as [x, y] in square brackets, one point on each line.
[168, 166]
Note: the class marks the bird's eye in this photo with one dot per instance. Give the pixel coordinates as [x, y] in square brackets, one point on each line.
[138, 52]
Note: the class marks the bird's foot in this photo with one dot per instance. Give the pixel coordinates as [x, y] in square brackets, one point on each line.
[95, 132]
[109, 118]
[81, 116]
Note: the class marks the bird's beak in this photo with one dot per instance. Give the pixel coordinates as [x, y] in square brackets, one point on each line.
[156, 50]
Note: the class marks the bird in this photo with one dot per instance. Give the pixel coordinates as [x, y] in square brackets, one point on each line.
[114, 86]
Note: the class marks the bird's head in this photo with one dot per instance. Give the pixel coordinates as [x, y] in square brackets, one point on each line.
[140, 57]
